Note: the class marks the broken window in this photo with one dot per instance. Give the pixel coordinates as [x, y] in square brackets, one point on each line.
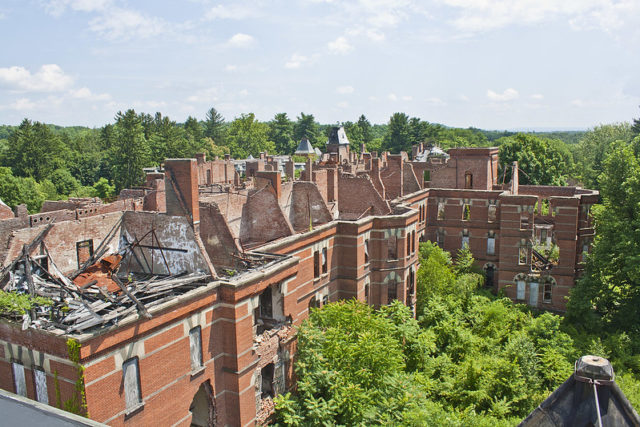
[410, 282]
[543, 235]
[84, 250]
[40, 378]
[266, 304]
[267, 380]
[131, 379]
[466, 212]
[313, 303]
[522, 255]
[520, 289]
[324, 261]
[41, 262]
[468, 180]
[18, 379]
[195, 344]
[316, 264]
[491, 213]
[366, 251]
[524, 222]
[585, 252]
[546, 295]
[440, 238]
[413, 241]
[441, 210]
[392, 248]
[325, 300]
[465, 239]
[366, 293]
[392, 291]
[491, 244]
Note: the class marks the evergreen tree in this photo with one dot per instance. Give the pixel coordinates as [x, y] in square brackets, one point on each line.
[398, 136]
[130, 154]
[365, 129]
[306, 127]
[281, 133]
[193, 129]
[214, 127]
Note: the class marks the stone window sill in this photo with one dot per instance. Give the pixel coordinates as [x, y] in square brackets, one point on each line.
[197, 371]
[131, 412]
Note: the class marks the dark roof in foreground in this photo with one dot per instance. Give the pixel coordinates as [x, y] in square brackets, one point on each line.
[574, 402]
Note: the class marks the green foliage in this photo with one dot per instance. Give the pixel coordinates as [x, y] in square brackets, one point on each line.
[307, 127]
[63, 181]
[16, 304]
[130, 152]
[541, 161]
[281, 133]
[103, 189]
[398, 136]
[247, 135]
[214, 127]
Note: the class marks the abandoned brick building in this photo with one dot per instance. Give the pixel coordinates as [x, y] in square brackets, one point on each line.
[184, 294]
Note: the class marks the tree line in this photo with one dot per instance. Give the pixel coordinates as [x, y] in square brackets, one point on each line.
[40, 161]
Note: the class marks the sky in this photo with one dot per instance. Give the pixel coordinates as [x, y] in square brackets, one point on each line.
[491, 64]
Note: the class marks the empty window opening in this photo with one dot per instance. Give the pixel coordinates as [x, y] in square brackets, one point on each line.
[19, 381]
[131, 379]
[84, 250]
[468, 180]
[392, 291]
[413, 241]
[316, 264]
[465, 239]
[392, 252]
[195, 345]
[427, 175]
[489, 275]
[266, 304]
[585, 252]
[40, 378]
[325, 300]
[208, 177]
[202, 410]
[491, 244]
[520, 289]
[366, 251]
[324, 261]
[408, 244]
[466, 212]
[41, 262]
[522, 255]
[441, 210]
[546, 295]
[267, 381]
[313, 303]
[366, 293]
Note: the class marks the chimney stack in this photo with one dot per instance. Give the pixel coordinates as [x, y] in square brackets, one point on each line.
[181, 187]
[514, 178]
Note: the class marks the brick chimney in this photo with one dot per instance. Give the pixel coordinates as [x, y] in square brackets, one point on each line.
[514, 178]
[201, 158]
[181, 186]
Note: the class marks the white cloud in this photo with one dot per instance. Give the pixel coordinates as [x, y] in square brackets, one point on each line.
[241, 40]
[392, 97]
[343, 104]
[22, 104]
[345, 90]
[537, 96]
[85, 93]
[483, 15]
[407, 98]
[123, 24]
[57, 7]
[204, 96]
[243, 92]
[233, 11]
[508, 95]
[340, 46]
[49, 78]
[435, 101]
[296, 61]
[231, 67]
[463, 98]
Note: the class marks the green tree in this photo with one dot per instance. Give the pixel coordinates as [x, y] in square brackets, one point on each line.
[214, 127]
[541, 161]
[365, 129]
[130, 153]
[281, 133]
[103, 189]
[248, 136]
[306, 127]
[635, 127]
[398, 135]
[193, 128]
[64, 182]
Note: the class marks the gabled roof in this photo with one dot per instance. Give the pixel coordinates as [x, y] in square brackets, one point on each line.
[318, 152]
[338, 136]
[305, 147]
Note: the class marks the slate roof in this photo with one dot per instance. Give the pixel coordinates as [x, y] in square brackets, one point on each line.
[574, 402]
[305, 147]
[338, 136]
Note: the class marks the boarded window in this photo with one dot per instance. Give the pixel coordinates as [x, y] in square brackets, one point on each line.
[533, 294]
[491, 213]
[131, 380]
[324, 261]
[316, 264]
[524, 223]
[392, 291]
[195, 344]
[491, 245]
[522, 255]
[466, 212]
[392, 252]
[84, 250]
[366, 251]
[520, 287]
[468, 180]
[40, 379]
[546, 295]
[441, 210]
[18, 379]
